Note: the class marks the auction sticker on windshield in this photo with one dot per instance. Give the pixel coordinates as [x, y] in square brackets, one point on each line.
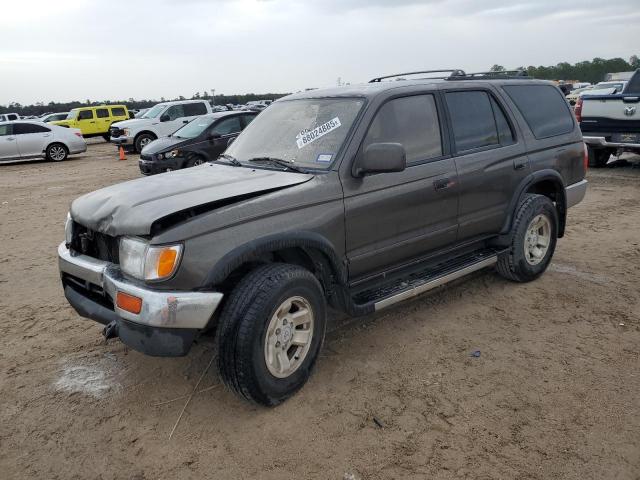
[312, 135]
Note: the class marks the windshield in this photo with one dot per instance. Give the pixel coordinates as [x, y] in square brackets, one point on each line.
[72, 114]
[195, 128]
[154, 112]
[308, 132]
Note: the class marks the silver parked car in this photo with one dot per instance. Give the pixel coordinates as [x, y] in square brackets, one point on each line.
[31, 140]
[53, 117]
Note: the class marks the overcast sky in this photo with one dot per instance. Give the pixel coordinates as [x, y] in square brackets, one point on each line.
[82, 49]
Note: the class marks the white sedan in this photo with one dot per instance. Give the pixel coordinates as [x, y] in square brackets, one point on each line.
[30, 140]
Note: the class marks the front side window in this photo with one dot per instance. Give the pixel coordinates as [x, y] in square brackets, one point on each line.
[543, 107]
[194, 109]
[308, 132]
[174, 112]
[248, 119]
[227, 126]
[102, 112]
[24, 128]
[472, 120]
[195, 127]
[410, 121]
[118, 112]
[85, 115]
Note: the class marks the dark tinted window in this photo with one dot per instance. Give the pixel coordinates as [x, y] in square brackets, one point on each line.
[472, 120]
[193, 109]
[118, 112]
[6, 130]
[411, 121]
[174, 112]
[85, 115]
[543, 107]
[227, 126]
[505, 134]
[102, 112]
[248, 119]
[22, 128]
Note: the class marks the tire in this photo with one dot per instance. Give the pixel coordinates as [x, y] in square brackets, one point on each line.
[598, 157]
[244, 340]
[194, 160]
[143, 140]
[520, 263]
[57, 152]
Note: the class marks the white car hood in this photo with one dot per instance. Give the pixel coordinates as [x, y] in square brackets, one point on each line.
[136, 122]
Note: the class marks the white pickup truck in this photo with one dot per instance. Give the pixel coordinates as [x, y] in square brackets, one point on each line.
[610, 124]
[160, 121]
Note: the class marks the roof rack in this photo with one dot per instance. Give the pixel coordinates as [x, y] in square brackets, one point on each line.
[452, 73]
[503, 75]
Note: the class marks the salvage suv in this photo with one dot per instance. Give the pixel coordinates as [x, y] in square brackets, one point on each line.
[355, 197]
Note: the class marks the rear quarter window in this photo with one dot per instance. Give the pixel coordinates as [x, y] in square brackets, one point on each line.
[544, 109]
[193, 109]
[118, 112]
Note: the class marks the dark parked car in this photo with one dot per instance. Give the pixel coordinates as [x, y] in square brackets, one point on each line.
[201, 140]
[355, 197]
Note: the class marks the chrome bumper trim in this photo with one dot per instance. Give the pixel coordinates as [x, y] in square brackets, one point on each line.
[166, 309]
[602, 142]
[576, 192]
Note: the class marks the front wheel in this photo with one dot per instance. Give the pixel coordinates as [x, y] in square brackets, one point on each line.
[143, 140]
[270, 332]
[56, 152]
[533, 240]
[194, 161]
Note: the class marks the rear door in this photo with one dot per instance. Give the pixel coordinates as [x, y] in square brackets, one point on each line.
[103, 120]
[32, 139]
[392, 218]
[490, 160]
[8, 143]
[86, 122]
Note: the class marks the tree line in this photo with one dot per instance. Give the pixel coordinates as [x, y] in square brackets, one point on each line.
[592, 71]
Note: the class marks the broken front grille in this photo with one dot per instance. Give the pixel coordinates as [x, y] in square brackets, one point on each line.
[95, 244]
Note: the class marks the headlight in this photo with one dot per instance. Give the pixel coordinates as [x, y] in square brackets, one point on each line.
[68, 229]
[160, 156]
[145, 262]
[126, 131]
[172, 154]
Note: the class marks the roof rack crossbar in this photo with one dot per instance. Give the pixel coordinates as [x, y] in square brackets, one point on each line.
[453, 73]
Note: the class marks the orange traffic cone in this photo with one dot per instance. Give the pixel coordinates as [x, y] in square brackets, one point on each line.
[122, 155]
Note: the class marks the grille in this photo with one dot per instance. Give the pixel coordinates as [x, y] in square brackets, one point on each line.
[94, 244]
[116, 132]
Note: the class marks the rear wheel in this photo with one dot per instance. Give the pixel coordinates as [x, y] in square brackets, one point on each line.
[56, 152]
[598, 157]
[270, 332]
[533, 240]
[143, 140]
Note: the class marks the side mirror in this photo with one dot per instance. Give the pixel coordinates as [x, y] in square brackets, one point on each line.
[164, 117]
[381, 158]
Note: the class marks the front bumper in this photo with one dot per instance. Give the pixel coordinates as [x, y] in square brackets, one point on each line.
[168, 321]
[151, 167]
[604, 143]
[121, 140]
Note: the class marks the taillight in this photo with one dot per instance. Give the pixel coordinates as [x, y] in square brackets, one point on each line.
[585, 157]
[578, 109]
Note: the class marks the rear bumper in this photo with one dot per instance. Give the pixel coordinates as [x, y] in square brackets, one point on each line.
[603, 143]
[168, 321]
[73, 149]
[576, 192]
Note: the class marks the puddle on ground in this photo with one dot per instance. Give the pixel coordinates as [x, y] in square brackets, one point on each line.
[89, 378]
[569, 270]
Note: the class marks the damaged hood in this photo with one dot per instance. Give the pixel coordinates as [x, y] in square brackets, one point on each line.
[131, 208]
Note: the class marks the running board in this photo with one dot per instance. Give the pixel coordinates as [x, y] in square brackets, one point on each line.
[433, 282]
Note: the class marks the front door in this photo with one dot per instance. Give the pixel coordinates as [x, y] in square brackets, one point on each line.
[226, 128]
[392, 218]
[86, 122]
[8, 143]
[32, 139]
[490, 160]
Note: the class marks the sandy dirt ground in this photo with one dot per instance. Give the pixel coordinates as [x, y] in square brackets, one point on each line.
[553, 394]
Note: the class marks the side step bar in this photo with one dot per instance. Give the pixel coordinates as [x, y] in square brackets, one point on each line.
[433, 282]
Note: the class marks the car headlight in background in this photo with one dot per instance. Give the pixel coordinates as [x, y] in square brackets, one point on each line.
[126, 132]
[146, 262]
[68, 229]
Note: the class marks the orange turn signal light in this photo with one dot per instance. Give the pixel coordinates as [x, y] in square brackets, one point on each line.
[129, 303]
[166, 262]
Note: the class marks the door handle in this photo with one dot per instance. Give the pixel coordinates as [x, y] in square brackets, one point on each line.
[10, 139]
[46, 135]
[519, 164]
[442, 183]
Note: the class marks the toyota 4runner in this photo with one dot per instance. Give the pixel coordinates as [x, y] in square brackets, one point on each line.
[355, 197]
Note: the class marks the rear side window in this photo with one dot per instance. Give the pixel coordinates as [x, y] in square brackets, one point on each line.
[543, 107]
[6, 130]
[472, 120]
[102, 112]
[85, 115]
[22, 128]
[410, 121]
[118, 112]
[193, 109]
[248, 119]
[505, 134]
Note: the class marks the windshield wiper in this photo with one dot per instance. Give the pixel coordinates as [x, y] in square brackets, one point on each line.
[277, 161]
[231, 159]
